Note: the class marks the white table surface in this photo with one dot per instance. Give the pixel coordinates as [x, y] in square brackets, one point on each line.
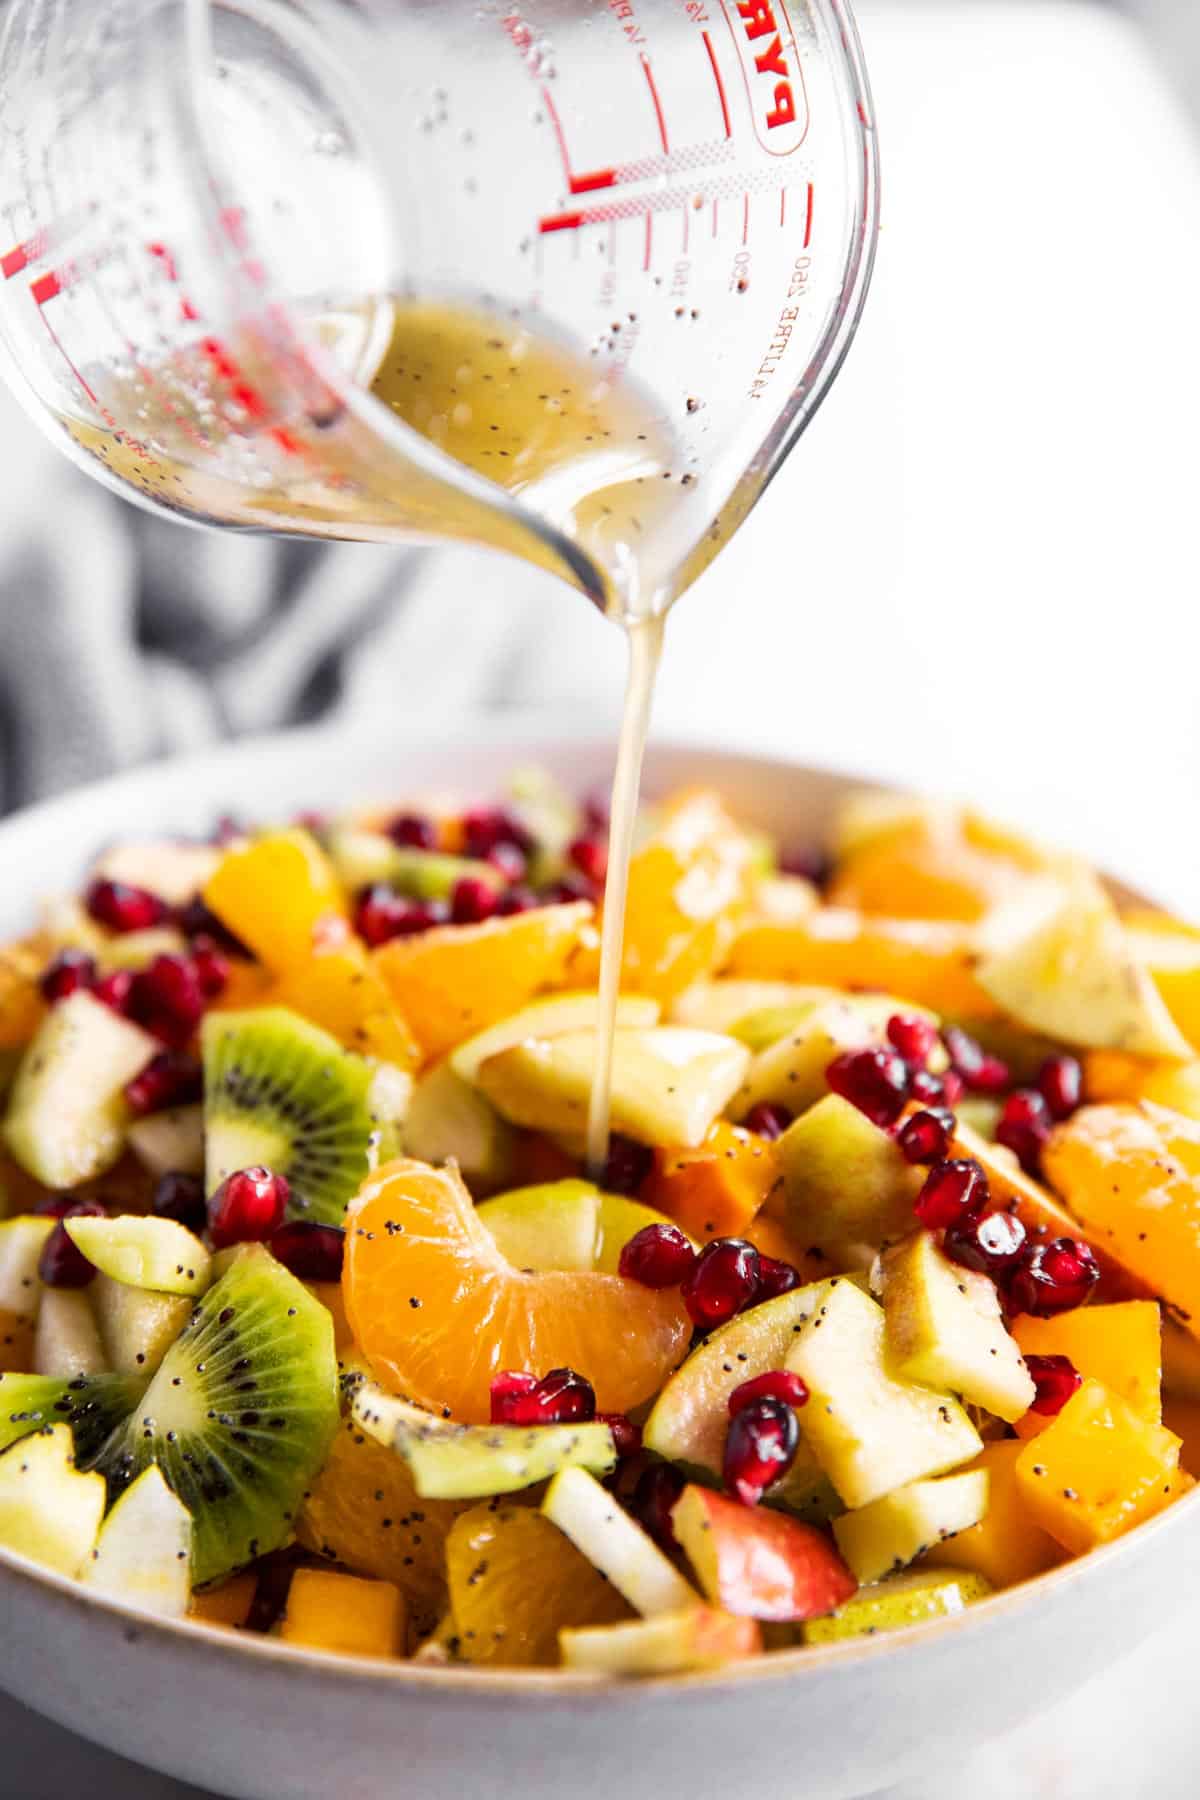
[978, 571]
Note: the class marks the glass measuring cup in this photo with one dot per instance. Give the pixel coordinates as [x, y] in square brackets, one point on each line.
[330, 266]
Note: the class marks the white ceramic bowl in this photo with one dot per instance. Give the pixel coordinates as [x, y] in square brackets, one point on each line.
[262, 1721]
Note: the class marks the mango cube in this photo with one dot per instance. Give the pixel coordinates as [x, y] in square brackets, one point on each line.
[326, 1611]
[1097, 1470]
[1007, 1545]
[1119, 1345]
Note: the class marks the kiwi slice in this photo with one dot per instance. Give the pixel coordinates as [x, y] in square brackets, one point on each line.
[92, 1405]
[282, 1092]
[240, 1415]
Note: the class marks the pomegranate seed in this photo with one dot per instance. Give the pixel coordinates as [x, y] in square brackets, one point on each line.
[768, 1121]
[982, 1073]
[590, 856]
[55, 1206]
[990, 1242]
[196, 920]
[316, 823]
[913, 1036]
[511, 862]
[653, 1499]
[382, 914]
[227, 831]
[414, 831]
[115, 990]
[1024, 1126]
[659, 1256]
[953, 1086]
[775, 1277]
[517, 900]
[247, 1208]
[180, 1197]
[992, 1076]
[487, 826]
[723, 1280]
[953, 1191]
[627, 1437]
[472, 901]
[1060, 1083]
[310, 1251]
[776, 1384]
[626, 1166]
[69, 971]
[876, 1081]
[1056, 1378]
[122, 908]
[571, 887]
[1053, 1278]
[172, 1078]
[929, 1089]
[561, 1397]
[925, 1137]
[596, 817]
[168, 998]
[812, 865]
[62, 1264]
[760, 1446]
[212, 967]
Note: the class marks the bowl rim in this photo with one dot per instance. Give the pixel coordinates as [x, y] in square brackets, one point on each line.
[553, 734]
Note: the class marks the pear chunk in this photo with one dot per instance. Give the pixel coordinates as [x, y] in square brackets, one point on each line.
[883, 1538]
[903, 1600]
[137, 1327]
[448, 1119]
[66, 1115]
[22, 1240]
[847, 1184]
[669, 1082]
[158, 1254]
[871, 1433]
[48, 1510]
[170, 1140]
[1061, 964]
[698, 1637]
[718, 1005]
[603, 1531]
[143, 1551]
[791, 1072]
[549, 1018]
[943, 1328]
[66, 1341]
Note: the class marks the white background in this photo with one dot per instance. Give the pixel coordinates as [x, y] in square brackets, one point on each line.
[978, 571]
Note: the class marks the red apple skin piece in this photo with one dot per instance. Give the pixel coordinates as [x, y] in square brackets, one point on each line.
[759, 1564]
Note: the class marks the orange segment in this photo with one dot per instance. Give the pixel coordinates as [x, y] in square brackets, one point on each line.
[1119, 1345]
[1131, 1175]
[280, 896]
[929, 961]
[248, 986]
[453, 981]
[364, 1512]
[716, 1190]
[343, 992]
[21, 1003]
[1097, 1470]
[515, 1582]
[1114, 1075]
[1171, 951]
[1007, 1545]
[939, 866]
[437, 1310]
[685, 888]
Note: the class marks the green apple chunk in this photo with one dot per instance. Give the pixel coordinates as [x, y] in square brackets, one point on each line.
[549, 1018]
[49, 1511]
[362, 857]
[758, 1564]
[67, 1116]
[170, 1140]
[884, 1537]
[846, 1183]
[471, 1462]
[719, 1005]
[870, 1432]
[21, 1243]
[65, 1340]
[600, 1528]
[565, 1225]
[138, 949]
[158, 1254]
[943, 1327]
[143, 1552]
[790, 1070]
[908, 1599]
[690, 1418]
[448, 1119]
[137, 1326]
[669, 1082]
[696, 1637]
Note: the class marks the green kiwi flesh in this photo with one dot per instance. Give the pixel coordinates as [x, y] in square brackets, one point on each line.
[281, 1092]
[240, 1415]
[92, 1405]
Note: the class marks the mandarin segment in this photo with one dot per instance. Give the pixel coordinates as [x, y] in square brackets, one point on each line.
[717, 1189]
[929, 961]
[342, 992]
[686, 887]
[280, 896]
[437, 1310]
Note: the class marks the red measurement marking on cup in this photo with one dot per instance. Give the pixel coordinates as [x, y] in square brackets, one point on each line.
[808, 217]
[745, 218]
[576, 184]
[782, 205]
[687, 216]
[716, 74]
[726, 187]
[21, 255]
[166, 260]
[649, 240]
[648, 72]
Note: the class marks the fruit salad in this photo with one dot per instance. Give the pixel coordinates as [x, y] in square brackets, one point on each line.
[315, 1323]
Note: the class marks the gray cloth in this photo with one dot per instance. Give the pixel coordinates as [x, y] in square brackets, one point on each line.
[126, 636]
